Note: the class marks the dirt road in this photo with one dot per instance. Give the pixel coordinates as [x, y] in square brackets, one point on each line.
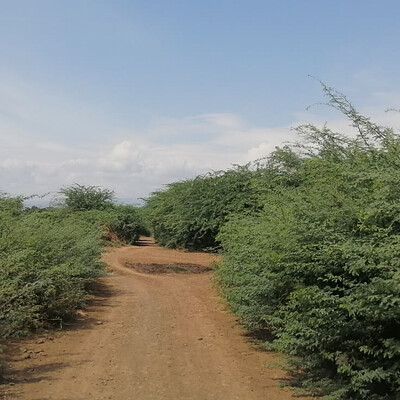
[147, 336]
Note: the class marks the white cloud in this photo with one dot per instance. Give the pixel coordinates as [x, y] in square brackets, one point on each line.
[132, 162]
[125, 157]
[140, 162]
[259, 151]
[137, 162]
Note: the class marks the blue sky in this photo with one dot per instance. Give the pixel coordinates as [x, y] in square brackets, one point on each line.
[135, 94]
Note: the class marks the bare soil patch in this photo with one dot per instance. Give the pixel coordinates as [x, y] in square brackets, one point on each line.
[176, 268]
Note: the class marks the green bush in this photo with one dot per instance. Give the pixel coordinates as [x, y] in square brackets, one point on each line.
[83, 198]
[311, 244]
[47, 260]
[127, 223]
[48, 257]
[189, 214]
[319, 266]
[124, 223]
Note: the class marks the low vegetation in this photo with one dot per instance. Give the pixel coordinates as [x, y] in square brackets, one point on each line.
[190, 213]
[47, 260]
[311, 244]
[48, 257]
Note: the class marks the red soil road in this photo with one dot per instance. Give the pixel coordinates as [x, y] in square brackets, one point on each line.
[147, 336]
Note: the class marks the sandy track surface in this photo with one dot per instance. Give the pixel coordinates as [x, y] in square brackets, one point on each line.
[147, 336]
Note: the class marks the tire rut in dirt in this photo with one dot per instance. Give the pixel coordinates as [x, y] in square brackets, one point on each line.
[170, 268]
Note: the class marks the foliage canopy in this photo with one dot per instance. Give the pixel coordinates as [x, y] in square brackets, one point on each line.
[48, 257]
[311, 244]
[83, 198]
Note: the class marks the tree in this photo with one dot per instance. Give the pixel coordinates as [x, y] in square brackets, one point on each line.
[82, 198]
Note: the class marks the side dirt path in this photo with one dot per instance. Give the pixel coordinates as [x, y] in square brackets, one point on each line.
[156, 329]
